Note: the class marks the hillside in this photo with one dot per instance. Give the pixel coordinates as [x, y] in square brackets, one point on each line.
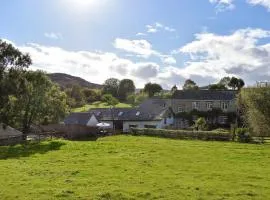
[66, 80]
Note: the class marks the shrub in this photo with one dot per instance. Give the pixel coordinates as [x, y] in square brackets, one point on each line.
[243, 135]
[184, 134]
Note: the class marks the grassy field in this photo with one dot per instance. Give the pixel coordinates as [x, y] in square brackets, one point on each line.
[99, 104]
[126, 167]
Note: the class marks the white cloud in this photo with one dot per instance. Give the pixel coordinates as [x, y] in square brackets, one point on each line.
[222, 55]
[168, 59]
[156, 27]
[141, 34]
[140, 47]
[54, 36]
[223, 5]
[94, 66]
[265, 3]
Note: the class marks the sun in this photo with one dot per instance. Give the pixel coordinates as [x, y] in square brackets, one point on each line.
[82, 4]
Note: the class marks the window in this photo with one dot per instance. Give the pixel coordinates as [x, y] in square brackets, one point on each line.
[149, 126]
[209, 105]
[180, 109]
[165, 120]
[195, 105]
[224, 105]
[133, 126]
[138, 113]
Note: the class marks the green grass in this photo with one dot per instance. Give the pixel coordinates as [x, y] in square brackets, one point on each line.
[126, 167]
[99, 104]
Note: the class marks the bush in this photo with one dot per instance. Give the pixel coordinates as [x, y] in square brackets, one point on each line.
[184, 134]
[243, 135]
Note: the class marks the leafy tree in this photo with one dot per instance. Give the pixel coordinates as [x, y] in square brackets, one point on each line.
[39, 101]
[225, 82]
[111, 86]
[254, 106]
[110, 100]
[76, 96]
[12, 64]
[233, 83]
[240, 83]
[174, 88]
[91, 95]
[236, 83]
[126, 87]
[131, 99]
[217, 87]
[190, 85]
[152, 88]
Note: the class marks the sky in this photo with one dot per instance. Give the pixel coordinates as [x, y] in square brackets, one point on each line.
[162, 41]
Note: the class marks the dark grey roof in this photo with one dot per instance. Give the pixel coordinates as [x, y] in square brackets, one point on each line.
[205, 94]
[78, 118]
[149, 110]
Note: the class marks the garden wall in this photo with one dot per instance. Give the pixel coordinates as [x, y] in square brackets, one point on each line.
[184, 134]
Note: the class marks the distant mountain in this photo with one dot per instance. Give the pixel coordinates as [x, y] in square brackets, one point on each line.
[66, 80]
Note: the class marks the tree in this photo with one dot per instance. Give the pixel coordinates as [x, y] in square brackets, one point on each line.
[126, 87]
[110, 100]
[111, 86]
[152, 88]
[236, 83]
[39, 101]
[174, 88]
[190, 85]
[233, 83]
[225, 82]
[131, 99]
[12, 64]
[217, 87]
[75, 93]
[91, 95]
[254, 106]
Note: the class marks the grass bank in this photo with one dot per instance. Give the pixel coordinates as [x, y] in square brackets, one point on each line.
[129, 167]
[99, 104]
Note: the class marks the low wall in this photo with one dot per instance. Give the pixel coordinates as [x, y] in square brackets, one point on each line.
[183, 134]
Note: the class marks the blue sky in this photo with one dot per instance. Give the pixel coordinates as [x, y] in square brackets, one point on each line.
[145, 40]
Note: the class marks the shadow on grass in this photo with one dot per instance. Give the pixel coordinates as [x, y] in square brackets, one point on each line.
[28, 149]
[84, 139]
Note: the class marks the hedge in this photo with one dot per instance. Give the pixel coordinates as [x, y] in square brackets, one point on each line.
[183, 134]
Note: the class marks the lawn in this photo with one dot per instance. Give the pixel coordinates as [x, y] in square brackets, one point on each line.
[99, 104]
[127, 167]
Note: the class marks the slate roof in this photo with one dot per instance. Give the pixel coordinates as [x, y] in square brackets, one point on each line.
[78, 118]
[149, 110]
[225, 95]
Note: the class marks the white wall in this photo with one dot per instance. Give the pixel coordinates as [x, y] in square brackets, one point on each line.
[139, 124]
[92, 121]
[169, 121]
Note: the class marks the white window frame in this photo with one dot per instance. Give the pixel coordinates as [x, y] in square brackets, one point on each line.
[209, 105]
[224, 105]
[195, 105]
[180, 109]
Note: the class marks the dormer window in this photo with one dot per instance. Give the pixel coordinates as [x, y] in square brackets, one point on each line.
[120, 113]
[138, 113]
[98, 113]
